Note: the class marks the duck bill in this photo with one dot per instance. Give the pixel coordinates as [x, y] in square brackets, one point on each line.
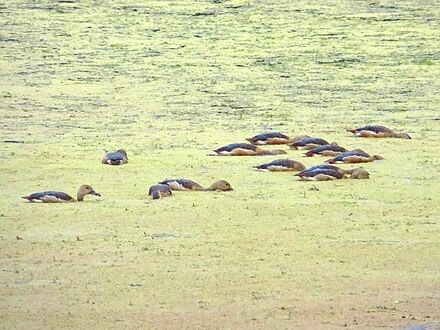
[95, 193]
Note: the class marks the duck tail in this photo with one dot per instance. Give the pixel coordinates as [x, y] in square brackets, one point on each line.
[309, 154]
[27, 197]
[330, 161]
[352, 131]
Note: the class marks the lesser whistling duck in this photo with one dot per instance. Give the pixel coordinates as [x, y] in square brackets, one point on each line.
[159, 191]
[60, 197]
[279, 165]
[116, 158]
[354, 156]
[245, 149]
[326, 150]
[330, 172]
[185, 184]
[308, 143]
[377, 131]
[269, 138]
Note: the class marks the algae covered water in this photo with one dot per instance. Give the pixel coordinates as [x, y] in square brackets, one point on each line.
[170, 81]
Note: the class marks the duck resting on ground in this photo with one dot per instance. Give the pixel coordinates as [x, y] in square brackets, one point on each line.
[308, 143]
[326, 150]
[377, 131]
[280, 165]
[159, 191]
[269, 138]
[245, 149]
[274, 138]
[354, 156]
[115, 158]
[185, 184]
[330, 172]
[60, 197]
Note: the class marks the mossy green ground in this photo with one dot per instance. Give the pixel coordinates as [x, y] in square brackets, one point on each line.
[169, 82]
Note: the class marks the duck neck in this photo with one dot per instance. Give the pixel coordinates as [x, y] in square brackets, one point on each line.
[210, 188]
[79, 197]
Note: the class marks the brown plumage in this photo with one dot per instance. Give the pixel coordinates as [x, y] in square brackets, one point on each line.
[354, 156]
[245, 149]
[321, 173]
[308, 143]
[279, 165]
[377, 131]
[116, 158]
[330, 172]
[60, 197]
[269, 138]
[326, 150]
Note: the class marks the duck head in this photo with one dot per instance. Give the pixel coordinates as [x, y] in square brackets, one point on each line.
[403, 136]
[122, 152]
[85, 190]
[358, 173]
[221, 185]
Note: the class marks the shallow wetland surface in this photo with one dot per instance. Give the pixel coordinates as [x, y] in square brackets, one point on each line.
[169, 81]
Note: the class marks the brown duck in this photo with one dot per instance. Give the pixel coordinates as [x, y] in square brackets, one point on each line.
[281, 165]
[273, 138]
[269, 138]
[159, 191]
[60, 197]
[326, 150]
[330, 172]
[185, 184]
[377, 131]
[116, 158]
[245, 149]
[354, 156]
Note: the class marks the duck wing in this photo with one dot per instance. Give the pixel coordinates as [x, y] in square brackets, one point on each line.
[182, 184]
[114, 158]
[231, 147]
[309, 141]
[375, 129]
[327, 171]
[49, 197]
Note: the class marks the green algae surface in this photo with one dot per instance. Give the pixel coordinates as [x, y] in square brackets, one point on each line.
[169, 81]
